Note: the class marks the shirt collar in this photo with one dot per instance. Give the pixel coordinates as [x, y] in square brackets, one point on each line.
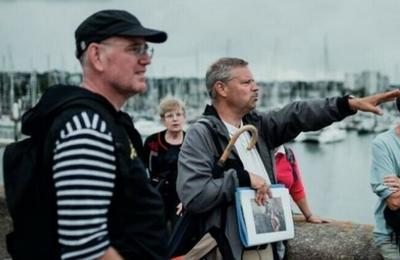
[231, 128]
[280, 149]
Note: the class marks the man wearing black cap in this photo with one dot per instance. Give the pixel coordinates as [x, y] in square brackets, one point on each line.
[111, 46]
[100, 203]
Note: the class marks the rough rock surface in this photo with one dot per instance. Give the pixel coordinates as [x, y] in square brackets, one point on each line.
[336, 240]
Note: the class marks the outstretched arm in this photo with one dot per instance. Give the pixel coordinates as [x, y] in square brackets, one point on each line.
[371, 103]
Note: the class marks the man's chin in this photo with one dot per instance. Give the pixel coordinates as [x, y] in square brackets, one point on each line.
[253, 106]
[142, 88]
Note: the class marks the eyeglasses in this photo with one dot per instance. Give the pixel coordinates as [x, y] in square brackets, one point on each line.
[171, 115]
[139, 50]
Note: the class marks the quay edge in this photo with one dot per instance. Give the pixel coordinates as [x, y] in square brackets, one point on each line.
[336, 240]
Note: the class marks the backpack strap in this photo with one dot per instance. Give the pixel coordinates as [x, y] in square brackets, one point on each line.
[290, 156]
[219, 235]
[213, 133]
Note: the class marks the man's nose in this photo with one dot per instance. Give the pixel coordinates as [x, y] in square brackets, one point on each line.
[145, 59]
[256, 87]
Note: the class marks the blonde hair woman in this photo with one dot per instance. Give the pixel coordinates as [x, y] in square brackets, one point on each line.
[161, 151]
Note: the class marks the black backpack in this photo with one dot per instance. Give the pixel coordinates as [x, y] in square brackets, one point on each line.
[30, 200]
[29, 189]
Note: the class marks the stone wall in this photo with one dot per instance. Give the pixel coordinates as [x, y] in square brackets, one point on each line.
[336, 240]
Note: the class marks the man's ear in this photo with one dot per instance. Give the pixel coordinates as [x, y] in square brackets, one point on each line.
[95, 56]
[220, 88]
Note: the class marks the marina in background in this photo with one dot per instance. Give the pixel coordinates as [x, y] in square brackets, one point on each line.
[19, 91]
[335, 165]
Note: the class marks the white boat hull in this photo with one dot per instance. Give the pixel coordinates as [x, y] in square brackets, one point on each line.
[326, 135]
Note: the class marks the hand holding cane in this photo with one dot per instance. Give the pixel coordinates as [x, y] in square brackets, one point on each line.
[257, 182]
[232, 141]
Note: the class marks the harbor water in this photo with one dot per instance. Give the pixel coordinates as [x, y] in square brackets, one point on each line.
[336, 177]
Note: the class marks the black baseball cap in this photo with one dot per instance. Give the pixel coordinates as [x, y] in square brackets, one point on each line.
[107, 23]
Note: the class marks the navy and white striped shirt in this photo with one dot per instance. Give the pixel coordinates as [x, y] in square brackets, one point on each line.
[84, 171]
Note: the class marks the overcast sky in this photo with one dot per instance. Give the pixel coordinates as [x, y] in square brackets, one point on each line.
[282, 39]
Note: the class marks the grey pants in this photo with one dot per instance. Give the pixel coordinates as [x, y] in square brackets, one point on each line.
[389, 250]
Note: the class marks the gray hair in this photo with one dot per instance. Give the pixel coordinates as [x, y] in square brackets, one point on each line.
[170, 103]
[221, 71]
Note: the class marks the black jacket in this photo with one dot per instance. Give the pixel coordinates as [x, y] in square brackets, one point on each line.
[136, 225]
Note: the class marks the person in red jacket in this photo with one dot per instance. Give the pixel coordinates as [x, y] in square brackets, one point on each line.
[288, 174]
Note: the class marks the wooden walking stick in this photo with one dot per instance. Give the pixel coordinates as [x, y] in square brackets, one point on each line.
[229, 147]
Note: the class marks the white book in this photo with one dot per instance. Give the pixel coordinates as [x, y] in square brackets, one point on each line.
[264, 224]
